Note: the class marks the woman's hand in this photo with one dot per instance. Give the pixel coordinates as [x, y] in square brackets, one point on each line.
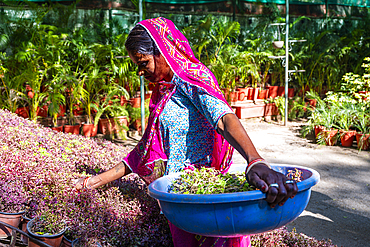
[273, 183]
[88, 182]
[78, 183]
[120, 170]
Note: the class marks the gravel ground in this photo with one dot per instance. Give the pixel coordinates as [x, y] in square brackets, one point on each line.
[339, 205]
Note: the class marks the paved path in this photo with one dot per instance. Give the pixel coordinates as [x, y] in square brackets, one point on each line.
[339, 208]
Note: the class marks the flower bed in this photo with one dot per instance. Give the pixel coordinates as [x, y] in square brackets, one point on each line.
[47, 162]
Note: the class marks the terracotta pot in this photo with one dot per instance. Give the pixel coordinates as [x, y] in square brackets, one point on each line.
[243, 93]
[53, 240]
[58, 128]
[106, 126]
[136, 102]
[312, 102]
[62, 110]
[137, 124]
[66, 242]
[318, 129]
[123, 100]
[233, 96]
[23, 112]
[347, 137]
[273, 91]
[148, 95]
[42, 111]
[263, 94]
[13, 219]
[281, 91]
[78, 110]
[89, 130]
[73, 129]
[24, 222]
[290, 92]
[271, 110]
[363, 141]
[252, 93]
[122, 121]
[330, 136]
[30, 94]
[363, 92]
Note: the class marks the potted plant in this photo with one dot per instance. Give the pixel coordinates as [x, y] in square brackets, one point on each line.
[135, 115]
[316, 121]
[120, 117]
[344, 122]
[56, 100]
[47, 227]
[14, 98]
[75, 93]
[110, 107]
[13, 201]
[362, 123]
[280, 104]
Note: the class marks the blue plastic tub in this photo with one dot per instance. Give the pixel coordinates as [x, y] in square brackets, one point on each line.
[231, 214]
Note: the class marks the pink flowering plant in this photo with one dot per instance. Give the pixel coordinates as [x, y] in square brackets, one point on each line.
[13, 198]
[48, 162]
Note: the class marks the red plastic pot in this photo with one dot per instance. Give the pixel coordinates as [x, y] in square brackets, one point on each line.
[312, 102]
[263, 94]
[42, 111]
[89, 130]
[58, 128]
[78, 111]
[73, 129]
[290, 92]
[233, 96]
[318, 129]
[347, 137]
[62, 110]
[273, 91]
[330, 137]
[136, 102]
[281, 91]
[251, 93]
[23, 112]
[243, 93]
[363, 141]
[106, 126]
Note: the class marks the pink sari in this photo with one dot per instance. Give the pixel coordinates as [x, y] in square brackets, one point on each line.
[148, 159]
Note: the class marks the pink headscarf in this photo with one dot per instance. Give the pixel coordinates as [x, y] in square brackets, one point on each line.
[148, 158]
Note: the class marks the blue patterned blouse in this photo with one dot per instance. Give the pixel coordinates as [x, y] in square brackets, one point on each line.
[188, 122]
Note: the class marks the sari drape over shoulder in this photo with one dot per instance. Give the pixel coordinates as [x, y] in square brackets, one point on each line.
[148, 158]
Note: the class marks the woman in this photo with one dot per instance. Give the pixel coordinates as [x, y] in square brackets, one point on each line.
[190, 124]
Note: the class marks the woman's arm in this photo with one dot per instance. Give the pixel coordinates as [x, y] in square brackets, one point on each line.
[120, 170]
[260, 175]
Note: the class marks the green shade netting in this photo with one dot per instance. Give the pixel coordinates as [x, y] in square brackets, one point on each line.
[355, 3]
[358, 3]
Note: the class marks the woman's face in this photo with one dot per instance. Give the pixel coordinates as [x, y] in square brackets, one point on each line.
[153, 68]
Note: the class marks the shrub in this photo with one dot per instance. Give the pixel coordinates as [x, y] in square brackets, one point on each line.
[47, 162]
